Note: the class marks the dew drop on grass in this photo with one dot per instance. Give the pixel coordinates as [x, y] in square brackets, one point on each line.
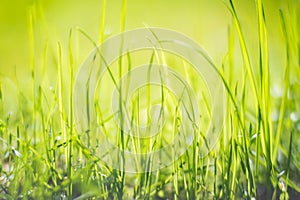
[189, 140]
[277, 91]
[274, 115]
[58, 138]
[294, 116]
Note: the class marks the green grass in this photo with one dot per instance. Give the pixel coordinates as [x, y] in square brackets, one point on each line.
[43, 155]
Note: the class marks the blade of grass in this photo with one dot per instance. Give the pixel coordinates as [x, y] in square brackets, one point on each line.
[70, 135]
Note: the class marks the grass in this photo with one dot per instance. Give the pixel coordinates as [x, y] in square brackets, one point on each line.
[44, 155]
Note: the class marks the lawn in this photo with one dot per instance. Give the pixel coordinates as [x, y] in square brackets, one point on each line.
[150, 99]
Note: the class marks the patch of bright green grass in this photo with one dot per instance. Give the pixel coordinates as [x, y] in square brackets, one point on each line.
[44, 156]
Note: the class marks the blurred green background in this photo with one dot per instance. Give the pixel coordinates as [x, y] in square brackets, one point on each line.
[205, 21]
